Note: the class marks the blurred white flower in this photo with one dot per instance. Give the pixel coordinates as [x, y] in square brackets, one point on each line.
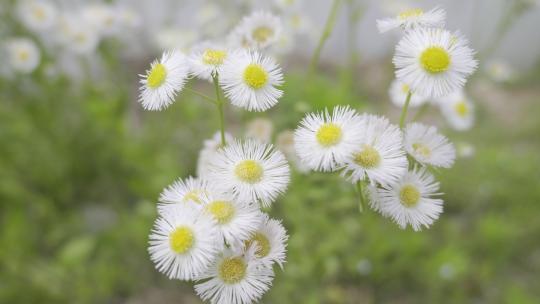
[428, 147]
[285, 143]
[413, 18]
[458, 110]
[170, 38]
[465, 150]
[500, 71]
[260, 29]
[104, 18]
[37, 15]
[76, 36]
[260, 129]
[207, 59]
[398, 94]
[208, 152]
[23, 55]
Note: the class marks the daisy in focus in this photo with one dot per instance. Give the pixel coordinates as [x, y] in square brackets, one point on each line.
[410, 201]
[188, 191]
[249, 80]
[428, 147]
[183, 243]
[250, 170]
[379, 155]
[324, 140]
[23, 55]
[269, 241]
[433, 62]
[260, 29]
[413, 18]
[398, 94]
[235, 277]
[206, 60]
[458, 110]
[163, 81]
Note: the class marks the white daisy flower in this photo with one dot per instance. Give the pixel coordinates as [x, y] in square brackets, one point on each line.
[37, 15]
[285, 143]
[235, 278]
[398, 94]
[428, 147]
[23, 55]
[260, 29]
[251, 170]
[500, 71]
[412, 19]
[465, 150]
[379, 156]
[458, 110]
[433, 62]
[77, 36]
[410, 200]
[104, 18]
[260, 129]
[165, 78]
[236, 220]
[189, 191]
[249, 80]
[288, 5]
[270, 242]
[207, 59]
[183, 243]
[208, 152]
[323, 140]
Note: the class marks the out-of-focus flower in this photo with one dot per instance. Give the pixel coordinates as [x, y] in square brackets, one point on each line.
[288, 5]
[285, 143]
[499, 71]
[208, 152]
[206, 60]
[465, 150]
[433, 62]
[163, 81]
[37, 15]
[260, 129]
[398, 94]
[428, 147]
[413, 18]
[170, 38]
[458, 110]
[76, 36]
[23, 55]
[104, 18]
[260, 29]
[270, 242]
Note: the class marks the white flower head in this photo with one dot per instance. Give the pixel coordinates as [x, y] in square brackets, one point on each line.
[189, 191]
[324, 140]
[500, 71]
[251, 170]
[288, 5]
[183, 242]
[379, 155]
[410, 200]
[207, 59]
[235, 277]
[429, 147]
[37, 15]
[260, 129]
[76, 35]
[208, 152]
[458, 110]
[236, 220]
[23, 55]
[260, 29]
[412, 19]
[249, 80]
[398, 94]
[270, 241]
[102, 17]
[165, 78]
[433, 62]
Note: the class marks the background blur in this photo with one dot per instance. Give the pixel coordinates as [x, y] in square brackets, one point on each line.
[82, 165]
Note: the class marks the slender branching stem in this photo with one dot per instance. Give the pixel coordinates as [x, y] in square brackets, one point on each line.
[328, 28]
[220, 107]
[403, 116]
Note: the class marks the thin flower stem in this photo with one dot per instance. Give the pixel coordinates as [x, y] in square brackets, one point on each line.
[360, 190]
[403, 116]
[205, 97]
[221, 111]
[328, 28]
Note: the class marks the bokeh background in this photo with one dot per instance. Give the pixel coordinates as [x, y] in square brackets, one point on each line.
[82, 165]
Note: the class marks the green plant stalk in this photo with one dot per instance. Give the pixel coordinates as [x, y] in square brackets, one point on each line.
[360, 189]
[403, 116]
[205, 97]
[220, 105]
[328, 28]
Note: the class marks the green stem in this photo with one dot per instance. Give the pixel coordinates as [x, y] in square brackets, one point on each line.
[221, 111]
[205, 97]
[329, 26]
[403, 116]
[359, 188]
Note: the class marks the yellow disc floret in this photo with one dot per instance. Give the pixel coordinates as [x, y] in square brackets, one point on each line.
[255, 76]
[368, 158]
[405, 89]
[181, 239]
[409, 196]
[222, 211]
[262, 243]
[435, 60]
[214, 57]
[249, 171]
[415, 12]
[232, 270]
[329, 135]
[262, 34]
[461, 108]
[157, 76]
[422, 149]
[193, 196]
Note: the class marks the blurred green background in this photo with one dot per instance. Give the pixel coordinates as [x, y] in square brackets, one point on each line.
[82, 165]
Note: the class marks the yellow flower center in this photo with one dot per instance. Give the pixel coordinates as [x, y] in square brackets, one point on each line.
[409, 196]
[262, 34]
[422, 149]
[405, 89]
[232, 270]
[262, 243]
[367, 158]
[329, 135]
[249, 171]
[222, 211]
[461, 108]
[255, 76]
[181, 239]
[157, 76]
[193, 196]
[435, 60]
[415, 12]
[23, 55]
[39, 13]
[214, 57]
